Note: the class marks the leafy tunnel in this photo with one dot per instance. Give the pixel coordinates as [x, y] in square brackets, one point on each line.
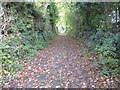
[27, 28]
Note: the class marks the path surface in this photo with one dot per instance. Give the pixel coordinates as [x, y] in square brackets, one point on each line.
[60, 65]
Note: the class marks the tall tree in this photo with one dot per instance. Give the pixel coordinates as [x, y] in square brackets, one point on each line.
[53, 12]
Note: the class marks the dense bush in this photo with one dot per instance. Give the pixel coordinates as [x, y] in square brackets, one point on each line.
[25, 37]
[104, 43]
[98, 25]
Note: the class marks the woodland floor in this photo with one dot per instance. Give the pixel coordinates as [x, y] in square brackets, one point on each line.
[61, 65]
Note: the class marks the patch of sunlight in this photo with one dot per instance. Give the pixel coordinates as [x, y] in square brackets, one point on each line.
[62, 29]
[61, 24]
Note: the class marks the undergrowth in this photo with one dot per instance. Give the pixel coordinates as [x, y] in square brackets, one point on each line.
[24, 38]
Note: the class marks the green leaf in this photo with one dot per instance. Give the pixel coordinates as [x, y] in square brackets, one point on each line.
[95, 63]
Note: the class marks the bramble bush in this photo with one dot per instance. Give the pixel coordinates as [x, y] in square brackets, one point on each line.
[104, 43]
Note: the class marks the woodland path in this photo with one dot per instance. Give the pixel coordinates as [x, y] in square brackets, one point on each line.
[60, 66]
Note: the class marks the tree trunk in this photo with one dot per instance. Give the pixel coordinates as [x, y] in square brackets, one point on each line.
[119, 14]
[87, 19]
[119, 10]
[116, 15]
[52, 25]
[1, 14]
[43, 36]
[105, 12]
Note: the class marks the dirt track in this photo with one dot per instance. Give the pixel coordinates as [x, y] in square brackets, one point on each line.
[59, 66]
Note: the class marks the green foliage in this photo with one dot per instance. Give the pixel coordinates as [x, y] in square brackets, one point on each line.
[24, 39]
[9, 63]
[72, 33]
[53, 12]
[97, 23]
[104, 44]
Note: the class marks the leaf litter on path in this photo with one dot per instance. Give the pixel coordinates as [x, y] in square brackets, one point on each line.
[60, 65]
